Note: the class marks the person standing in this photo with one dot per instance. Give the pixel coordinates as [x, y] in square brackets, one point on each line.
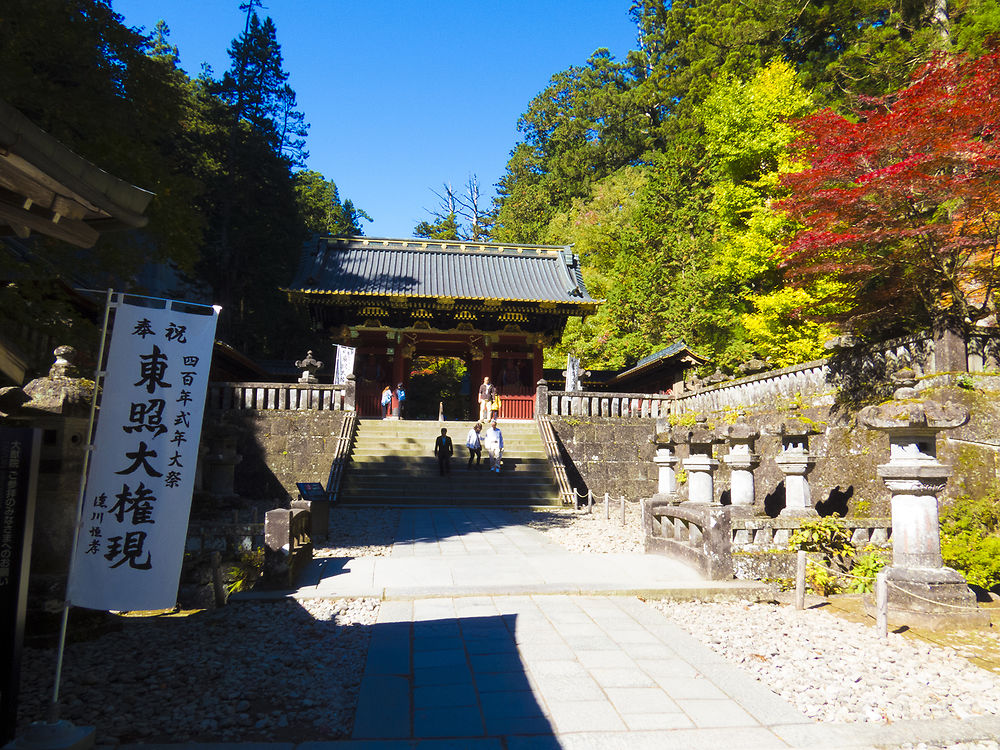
[398, 397]
[443, 449]
[475, 444]
[487, 391]
[494, 444]
[386, 402]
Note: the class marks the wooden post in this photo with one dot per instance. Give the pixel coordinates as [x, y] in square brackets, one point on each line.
[590, 501]
[882, 605]
[218, 589]
[800, 579]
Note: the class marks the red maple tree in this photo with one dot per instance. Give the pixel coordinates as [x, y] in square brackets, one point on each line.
[901, 201]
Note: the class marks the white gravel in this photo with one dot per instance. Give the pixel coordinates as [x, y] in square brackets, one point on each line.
[580, 531]
[834, 670]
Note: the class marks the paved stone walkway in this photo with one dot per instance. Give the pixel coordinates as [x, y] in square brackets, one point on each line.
[493, 637]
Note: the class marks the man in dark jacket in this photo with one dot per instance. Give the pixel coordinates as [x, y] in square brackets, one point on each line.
[443, 449]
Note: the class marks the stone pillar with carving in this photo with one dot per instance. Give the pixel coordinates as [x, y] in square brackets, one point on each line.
[795, 463]
[700, 465]
[922, 592]
[542, 398]
[741, 461]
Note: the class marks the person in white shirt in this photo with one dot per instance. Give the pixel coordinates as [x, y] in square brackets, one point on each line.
[475, 444]
[494, 444]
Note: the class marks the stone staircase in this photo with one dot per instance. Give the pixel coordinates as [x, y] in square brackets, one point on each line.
[393, 462]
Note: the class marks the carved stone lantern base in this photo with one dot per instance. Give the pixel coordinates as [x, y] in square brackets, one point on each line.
[930, 598]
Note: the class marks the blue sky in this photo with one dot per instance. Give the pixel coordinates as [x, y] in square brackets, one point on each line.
[404, 96]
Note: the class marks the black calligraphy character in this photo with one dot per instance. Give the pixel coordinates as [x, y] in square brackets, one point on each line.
[139, 505]
[190, 361]
[147, 416]
[130, 551]
[101, 501]
[187, 377]
[173, 478]
[178, 438]
[95, 516]
[176, 332]
[142, 329]
[184, 398]
[139, 457]
[182, 419]
[95, 531]
[152, 369]
[94, 547]
[175, 460]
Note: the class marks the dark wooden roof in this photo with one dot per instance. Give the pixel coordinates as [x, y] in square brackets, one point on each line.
[375, 267]
[47, 188]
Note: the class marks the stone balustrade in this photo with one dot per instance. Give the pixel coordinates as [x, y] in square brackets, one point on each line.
[596, 404]
[280, 396]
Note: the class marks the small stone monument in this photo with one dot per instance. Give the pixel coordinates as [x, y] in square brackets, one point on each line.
[795, 463]
[666, 462]
[699, 464]
[741, 461]
[922, 592]
[309, 366]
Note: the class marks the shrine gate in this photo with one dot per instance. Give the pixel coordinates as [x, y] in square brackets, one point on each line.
[494, 306]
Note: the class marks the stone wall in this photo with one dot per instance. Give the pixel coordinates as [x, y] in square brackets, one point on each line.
[278, 449]
[845, 476]
[609, 454]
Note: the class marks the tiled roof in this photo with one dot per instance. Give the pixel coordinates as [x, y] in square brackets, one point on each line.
[436, 268]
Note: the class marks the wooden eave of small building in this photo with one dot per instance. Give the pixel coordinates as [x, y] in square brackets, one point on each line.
[47, 188]
[675, 353]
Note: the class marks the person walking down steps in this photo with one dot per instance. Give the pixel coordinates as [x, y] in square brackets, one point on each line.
[474, 443]
[494, 444]
[443, 449]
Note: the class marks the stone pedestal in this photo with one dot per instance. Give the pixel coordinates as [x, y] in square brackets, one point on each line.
[699, 465]
[795, 463]
[922, 592]
[666, 463]
[741, 461]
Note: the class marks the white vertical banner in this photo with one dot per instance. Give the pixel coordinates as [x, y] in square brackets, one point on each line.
[572, 373]
[345, 364]
[134, 522]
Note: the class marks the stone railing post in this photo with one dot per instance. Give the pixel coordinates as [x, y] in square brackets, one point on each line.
[699, 464]
[795, 463]
[542, 398]
[741, 461]
[351, 393]
[922, 592]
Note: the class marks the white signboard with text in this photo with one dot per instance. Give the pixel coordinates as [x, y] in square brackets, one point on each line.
[345, 364]
[135, 511]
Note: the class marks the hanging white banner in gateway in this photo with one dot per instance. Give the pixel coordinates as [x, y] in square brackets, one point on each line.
[130, 544]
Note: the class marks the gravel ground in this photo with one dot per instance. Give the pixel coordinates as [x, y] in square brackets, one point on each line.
[839, 671]
[175, 679]
[580, 531]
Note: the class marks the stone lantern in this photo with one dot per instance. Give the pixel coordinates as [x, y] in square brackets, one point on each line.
[309, 366]
[666, 462]
[795, 463]
[922, 592]
[741, 461]
[699, 464]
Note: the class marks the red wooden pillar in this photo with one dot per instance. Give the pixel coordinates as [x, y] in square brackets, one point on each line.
[538, 365]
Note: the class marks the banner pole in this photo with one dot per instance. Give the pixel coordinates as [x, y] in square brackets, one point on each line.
[53, 712]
